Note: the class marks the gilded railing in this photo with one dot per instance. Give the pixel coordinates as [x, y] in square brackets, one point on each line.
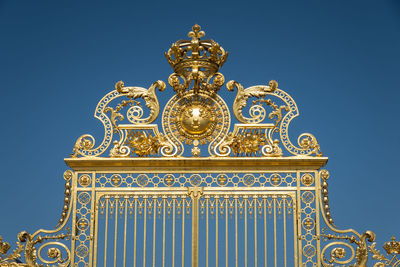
[195, 191]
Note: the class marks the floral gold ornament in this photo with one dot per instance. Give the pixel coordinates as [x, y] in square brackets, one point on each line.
[142, 144]
[130, 198]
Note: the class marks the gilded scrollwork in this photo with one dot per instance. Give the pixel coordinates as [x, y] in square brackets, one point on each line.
[54, 254]
[307, 143]
[337, 254]
[344, 247]
[348, 247]
[149, 96]
[27, 243]
[276, 113]
[85, 144]
[119, 151]
[196, 81]
[114, 113]
[257, 112]
[31, 254]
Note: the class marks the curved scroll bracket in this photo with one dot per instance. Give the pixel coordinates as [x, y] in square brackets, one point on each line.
[33, 246]
[257, 112]
[307, 143]
[85, 144]
[348, 247]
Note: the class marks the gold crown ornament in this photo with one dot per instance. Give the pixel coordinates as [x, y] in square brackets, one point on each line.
[4, 246]
[198, 61]
[392, 247]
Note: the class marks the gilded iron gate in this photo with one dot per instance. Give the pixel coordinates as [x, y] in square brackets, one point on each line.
[170, 221]
[195, 225]
[197, 193]
[213, 212]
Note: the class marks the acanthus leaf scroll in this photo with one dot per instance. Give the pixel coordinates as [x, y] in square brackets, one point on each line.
[85, 144]
[307, 143]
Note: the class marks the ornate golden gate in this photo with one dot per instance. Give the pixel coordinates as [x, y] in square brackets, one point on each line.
[197, 193]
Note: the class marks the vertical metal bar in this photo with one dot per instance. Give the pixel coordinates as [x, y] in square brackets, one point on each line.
[144, 230]
[284, 227]
[195, 229]
[207, 200]
[298, 221]
[74, 197]
[126, 215]
[226, 230]
[173, 231]
[295, 230]
[183, 232]
[96, 232]
[265, 231]
[106, 233]
[317, 216]
[216, 229]
[255, 230]
[93, 220]
[163, 246]
[275, 252]
[236, 233]
[116, 229]
[245, 230]
[134, 232]
[154, 230]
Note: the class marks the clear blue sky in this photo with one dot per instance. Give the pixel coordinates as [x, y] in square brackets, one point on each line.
[338, 59]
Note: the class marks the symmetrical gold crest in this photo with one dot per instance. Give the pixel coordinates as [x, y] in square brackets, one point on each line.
[141, 179]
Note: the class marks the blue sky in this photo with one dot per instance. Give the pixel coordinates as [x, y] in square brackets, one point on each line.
[339, 60]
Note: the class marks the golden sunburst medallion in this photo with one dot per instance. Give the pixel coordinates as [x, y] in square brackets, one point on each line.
[195, 119]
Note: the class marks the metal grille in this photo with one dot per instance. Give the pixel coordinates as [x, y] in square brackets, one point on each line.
[173, 227]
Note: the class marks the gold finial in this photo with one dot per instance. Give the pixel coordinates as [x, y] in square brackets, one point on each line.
[198, 61]
[196, 34]
[392, 247]
[4, 246]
